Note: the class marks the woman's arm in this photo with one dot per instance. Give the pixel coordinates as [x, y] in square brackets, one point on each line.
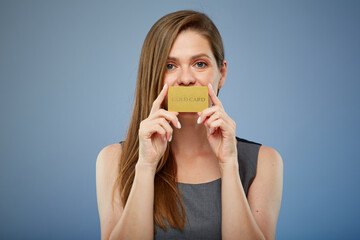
[136, 220]
[254, 217]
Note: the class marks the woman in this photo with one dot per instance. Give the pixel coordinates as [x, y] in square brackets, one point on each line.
[186, 175]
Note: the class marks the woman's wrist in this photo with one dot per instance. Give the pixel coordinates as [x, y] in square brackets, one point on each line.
[229, 168]
[144, 167]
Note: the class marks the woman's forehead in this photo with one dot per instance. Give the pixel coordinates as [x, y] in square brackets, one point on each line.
[190, 43]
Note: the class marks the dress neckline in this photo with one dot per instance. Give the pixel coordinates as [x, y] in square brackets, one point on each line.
[213, 181]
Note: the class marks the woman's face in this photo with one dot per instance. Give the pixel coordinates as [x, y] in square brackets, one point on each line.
[192, 63]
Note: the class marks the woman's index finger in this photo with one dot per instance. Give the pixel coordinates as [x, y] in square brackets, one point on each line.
[157, 103]
[213, 96]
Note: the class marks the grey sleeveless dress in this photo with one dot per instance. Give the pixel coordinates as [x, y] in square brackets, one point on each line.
[202, 202]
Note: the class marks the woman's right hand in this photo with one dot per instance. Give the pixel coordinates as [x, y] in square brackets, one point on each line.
[155, 131]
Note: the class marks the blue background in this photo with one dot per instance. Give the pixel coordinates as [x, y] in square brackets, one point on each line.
[68, 71]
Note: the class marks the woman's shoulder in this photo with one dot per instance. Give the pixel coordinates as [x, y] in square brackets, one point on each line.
[262, 155]
[111, 149]
[109, 156]
[269, 160]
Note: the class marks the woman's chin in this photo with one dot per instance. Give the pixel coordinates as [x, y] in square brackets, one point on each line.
[188, 115]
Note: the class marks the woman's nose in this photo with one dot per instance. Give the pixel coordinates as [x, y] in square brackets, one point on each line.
[186, 77]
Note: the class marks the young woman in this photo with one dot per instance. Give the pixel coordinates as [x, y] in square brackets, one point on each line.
[186, 175]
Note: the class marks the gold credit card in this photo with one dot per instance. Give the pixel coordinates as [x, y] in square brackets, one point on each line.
[187, 99]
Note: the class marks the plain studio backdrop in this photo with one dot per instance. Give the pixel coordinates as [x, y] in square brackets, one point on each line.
[68, 72]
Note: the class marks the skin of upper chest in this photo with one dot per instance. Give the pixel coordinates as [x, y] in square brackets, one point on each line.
[197, 169]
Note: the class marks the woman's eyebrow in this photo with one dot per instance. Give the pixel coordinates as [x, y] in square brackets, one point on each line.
[172, 59]
[192, 58]
[200, 55]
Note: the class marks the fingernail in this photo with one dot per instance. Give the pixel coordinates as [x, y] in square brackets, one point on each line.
[179, 125]
[199, 120]
[211, 86]
[165, 85]
[170, 138]
[164, 139]
[210, 130]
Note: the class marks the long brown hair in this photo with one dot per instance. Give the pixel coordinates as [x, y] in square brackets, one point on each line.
[153, 58]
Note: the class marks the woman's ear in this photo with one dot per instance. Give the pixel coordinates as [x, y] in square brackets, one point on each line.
[223, 72]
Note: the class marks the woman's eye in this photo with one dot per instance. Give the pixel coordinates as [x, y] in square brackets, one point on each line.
[200, 64]
[169, 66]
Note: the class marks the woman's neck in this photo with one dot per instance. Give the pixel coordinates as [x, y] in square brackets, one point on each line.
[191, 139]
